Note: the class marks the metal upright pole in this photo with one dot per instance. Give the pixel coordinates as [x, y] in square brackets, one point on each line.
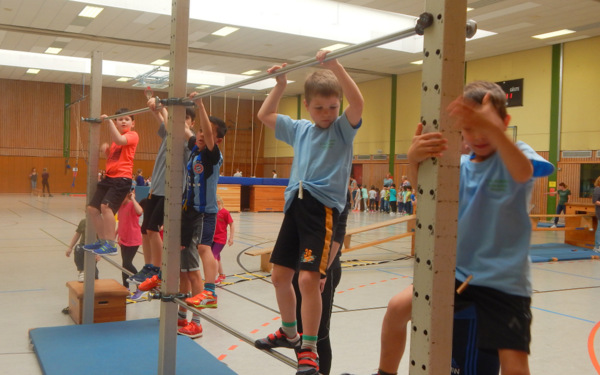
[174, 177]
[435, 258]
[92, 179]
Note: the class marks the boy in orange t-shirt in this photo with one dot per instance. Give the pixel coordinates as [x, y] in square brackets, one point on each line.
[112, 190]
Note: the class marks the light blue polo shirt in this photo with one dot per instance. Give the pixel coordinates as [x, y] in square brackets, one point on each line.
[322, 158]
[494, 229]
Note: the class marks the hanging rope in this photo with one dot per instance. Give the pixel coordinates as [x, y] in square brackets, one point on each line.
[237, 114]
[258, 148]
[252, 136]
[225, 121]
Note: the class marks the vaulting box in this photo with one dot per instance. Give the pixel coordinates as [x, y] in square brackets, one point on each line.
[109, 301]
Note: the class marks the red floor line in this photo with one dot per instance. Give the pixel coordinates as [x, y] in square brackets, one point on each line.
[591, 351]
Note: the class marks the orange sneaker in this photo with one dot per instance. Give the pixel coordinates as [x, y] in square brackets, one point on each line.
[182, 322]
[192, 330]
[149, 284]
[206, 299]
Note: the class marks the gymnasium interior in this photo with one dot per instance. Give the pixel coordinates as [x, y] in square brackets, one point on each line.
[543, 53]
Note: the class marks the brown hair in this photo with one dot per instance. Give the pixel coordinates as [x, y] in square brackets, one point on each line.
[321, 82]
[478, 89]
[597, 183]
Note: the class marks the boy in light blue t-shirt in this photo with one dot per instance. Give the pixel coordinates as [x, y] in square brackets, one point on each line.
[314, 197]
[493, 236]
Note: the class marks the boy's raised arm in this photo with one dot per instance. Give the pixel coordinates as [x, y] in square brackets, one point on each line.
[161, 114]
[268, 110]
[349, 87]
[206, 127]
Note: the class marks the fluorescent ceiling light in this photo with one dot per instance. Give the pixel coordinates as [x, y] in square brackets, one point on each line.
[553, 34]
[322, 19]
[90, 12]
[202, 87]
[119, 69]
[469, 9]
[334, 47]
[32, 71]
[53, 50]
[418, 62]
[123, 79]
[159, 62]
[224, 31]
[251, 72]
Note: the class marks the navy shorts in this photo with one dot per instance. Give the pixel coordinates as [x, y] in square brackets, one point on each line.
[306, 234]
[199, 229]
[154, 213]
[111, 192]
[504, 320]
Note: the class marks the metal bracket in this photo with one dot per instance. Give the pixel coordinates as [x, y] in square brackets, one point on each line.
[168, 297]
[425, 20]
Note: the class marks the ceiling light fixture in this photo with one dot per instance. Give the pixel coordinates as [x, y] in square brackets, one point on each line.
[90, 12]
[32, 71]
[123, 79]
[553, 34]
[334, 47]
[224, 31]
[53, 50]
[251, 72]
[418, 62]
[159, 62]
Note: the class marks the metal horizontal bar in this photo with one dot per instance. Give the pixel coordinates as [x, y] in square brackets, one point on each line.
[309, 62]
[288, 361]
[313, 61]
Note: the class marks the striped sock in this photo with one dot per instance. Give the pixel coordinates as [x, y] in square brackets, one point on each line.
[182, 314]
[210, 287]
[309, 342]
[291, 330]
[381, 372]
[196, 319]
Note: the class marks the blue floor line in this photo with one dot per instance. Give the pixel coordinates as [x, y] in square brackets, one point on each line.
[565, 315]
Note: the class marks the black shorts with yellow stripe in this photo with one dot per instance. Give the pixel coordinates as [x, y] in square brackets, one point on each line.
[306, 234]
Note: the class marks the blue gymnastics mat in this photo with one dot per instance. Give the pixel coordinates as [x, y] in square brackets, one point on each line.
[550, 252]
[129, 347]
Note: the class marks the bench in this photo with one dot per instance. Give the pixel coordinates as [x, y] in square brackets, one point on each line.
[265, 253]
[585, 222]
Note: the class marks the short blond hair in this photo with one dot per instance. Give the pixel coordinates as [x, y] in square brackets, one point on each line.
[323, 83]
[597, 183]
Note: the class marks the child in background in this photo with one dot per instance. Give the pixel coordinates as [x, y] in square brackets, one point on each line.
[372, 198]
[113, 189]
[365, 197]
[223, 220]
[79, 252]
[129, 234]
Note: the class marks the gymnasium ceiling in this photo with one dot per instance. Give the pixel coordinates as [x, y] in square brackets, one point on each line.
[138, 37]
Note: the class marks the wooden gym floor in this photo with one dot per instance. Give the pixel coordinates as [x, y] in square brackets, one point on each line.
[34, 233]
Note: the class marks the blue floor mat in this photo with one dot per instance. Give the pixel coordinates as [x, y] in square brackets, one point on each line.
[129, 347]
[549, 252]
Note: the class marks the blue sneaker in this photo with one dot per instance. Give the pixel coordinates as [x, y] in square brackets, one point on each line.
[107, 248]
[93, 246]
[142, 275]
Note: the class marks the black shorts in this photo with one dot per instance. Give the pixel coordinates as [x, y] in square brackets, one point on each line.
[306, 234]
[154, 213]
[197, 228]
[111, 192]
[504, 320]
[340, 229]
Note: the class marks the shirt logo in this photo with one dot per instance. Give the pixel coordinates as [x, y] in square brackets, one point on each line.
[307, 256]
[198, 168]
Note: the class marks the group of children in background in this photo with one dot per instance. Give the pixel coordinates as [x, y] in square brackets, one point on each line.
[204, 218]
[387, 199]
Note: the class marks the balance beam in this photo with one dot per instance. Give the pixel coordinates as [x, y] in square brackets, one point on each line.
[265, 253]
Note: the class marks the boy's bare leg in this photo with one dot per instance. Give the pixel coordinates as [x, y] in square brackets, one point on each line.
[393, 331]
[96, 219]
[513, 362]
[281, 277]
[209, 263]
[146, 249]
[308, 282]
[156, 247]
[108, 222]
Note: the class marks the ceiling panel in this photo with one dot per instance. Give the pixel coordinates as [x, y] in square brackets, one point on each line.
[515, 20]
